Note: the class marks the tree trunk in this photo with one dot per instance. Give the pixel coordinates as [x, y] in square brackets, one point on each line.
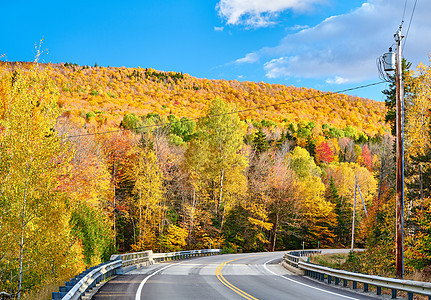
[21, 244]
[192, 212]
[221, 191]
[134, 230]
[421, 186]
[222, 217]
[144, 227]
[379, 193]
[140, 212]
[275, 231]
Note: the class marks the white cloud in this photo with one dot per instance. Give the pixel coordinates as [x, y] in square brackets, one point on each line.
[298, 27]
[218, 28]
[344, 48]
[277, 67]
[249, 58]
[258, 13]
[337, 80]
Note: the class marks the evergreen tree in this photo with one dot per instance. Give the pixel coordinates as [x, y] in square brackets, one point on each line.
[260, 143]
[341, 229]
[391, 94]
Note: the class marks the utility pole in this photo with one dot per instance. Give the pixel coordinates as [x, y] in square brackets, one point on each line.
[400, 158]
[353, 218]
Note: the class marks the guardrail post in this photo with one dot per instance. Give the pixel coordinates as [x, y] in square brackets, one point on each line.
[319, 273]
[63, 289]
[379, 290]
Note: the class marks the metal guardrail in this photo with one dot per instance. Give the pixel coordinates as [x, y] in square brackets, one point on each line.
[119, 264]
[131, 259]
[158, 257]
[330, 275]
[294, 257]
[82, 283]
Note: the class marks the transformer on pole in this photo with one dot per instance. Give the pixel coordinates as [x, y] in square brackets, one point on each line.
[389, 61]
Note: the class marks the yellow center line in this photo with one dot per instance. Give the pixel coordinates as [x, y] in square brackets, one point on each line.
[230, 285]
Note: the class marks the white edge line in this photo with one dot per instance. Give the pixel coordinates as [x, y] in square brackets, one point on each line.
[139, 291]
[264, 265]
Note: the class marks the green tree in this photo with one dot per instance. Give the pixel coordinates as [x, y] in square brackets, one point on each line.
[342, 212]
[390, 101]
[260, 142]
[181, 130]
[91, 226]
[131, 122]
[303, 164]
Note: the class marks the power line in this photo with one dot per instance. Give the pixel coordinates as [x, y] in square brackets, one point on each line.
[404, 11]
[233, 112]
[410, 22]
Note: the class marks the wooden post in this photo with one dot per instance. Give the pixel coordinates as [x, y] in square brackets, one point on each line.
[400, 161]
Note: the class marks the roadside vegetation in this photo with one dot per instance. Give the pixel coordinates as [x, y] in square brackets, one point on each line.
[157, 160]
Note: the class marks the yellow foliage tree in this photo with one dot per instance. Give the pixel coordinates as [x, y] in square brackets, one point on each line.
[36, 244]
[147, 202]
[222, 133]
[317, 215]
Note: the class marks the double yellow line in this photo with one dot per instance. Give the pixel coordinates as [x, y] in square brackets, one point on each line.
[230, 285]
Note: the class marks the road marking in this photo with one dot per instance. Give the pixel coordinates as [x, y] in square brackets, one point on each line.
[139, 291]
[322, 290]
[230, 285]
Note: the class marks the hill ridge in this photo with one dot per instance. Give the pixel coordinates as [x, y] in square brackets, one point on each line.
[115, 91]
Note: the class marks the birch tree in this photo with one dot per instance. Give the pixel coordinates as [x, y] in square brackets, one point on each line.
[34, 224]
[223, 133]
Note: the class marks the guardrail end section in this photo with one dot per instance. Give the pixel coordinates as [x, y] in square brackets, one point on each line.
[115, 257]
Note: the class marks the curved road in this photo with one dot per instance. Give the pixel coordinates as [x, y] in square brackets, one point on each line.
[233, 276]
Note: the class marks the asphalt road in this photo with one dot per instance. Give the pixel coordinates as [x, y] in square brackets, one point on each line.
[234, 276]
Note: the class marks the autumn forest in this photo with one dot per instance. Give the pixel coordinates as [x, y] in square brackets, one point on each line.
[101, 160]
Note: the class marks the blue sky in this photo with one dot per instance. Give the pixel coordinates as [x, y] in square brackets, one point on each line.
[324, 44]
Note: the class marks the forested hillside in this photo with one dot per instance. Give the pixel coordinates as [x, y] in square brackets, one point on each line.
[108, 93]
[103, 160]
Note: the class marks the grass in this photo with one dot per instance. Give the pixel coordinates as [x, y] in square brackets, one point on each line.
[335, 260]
